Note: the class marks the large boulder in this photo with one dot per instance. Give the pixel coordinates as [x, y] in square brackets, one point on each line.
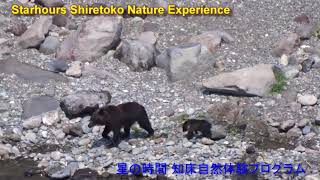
[252, 81]
[35, 34]
[137, 55]
[179, 61]
[92, 39]
[28, 72]
[83, 103]
[37, 105]
[50, 3]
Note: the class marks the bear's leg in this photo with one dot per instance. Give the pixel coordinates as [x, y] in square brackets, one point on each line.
[116, 137]
[106, 131]
[206, 132]
[126, 132]
[145, 124]
[189, 134]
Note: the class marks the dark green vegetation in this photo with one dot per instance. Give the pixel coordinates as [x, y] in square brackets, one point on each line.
[280, 84]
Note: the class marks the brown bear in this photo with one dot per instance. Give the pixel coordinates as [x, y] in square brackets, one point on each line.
[114, 118]
[193, 126]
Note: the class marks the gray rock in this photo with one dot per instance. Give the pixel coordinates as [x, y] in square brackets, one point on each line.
[284, 60]
[73, 130]
[286, 45]
[124, 146]
[218, 132]
[211, 39]
[28, 72]
[38, 105]
[50, 45]
[58, 66]
[32, 122]
[75, 69]
[50, 3]
[84, 142]
[290, 72]
[92, 40]
[138, 55]
[179, 61]
[59, 134]
[60, 20]
[286, 125]
[307, 99]
[50, 118]
[306, 130]
[303, 123]
[207, 141]
[36, 33]
[294, 133]
[66, 172]
[17, 28]
[31, 137]
[83, 103]
[252, 81]
[312, 177]
[84, 124]
[307, 65]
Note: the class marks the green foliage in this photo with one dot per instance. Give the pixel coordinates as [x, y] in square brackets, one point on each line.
[280, 84]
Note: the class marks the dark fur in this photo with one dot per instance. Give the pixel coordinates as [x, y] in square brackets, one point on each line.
[193, 126]
[114, 118]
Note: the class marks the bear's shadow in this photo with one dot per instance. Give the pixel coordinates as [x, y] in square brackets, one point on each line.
[106, 142]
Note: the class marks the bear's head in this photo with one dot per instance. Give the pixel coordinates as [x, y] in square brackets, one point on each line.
[99, 118]
[185, 126]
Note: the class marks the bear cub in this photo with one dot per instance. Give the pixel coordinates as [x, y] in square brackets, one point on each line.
[114, 118]
[193, 126]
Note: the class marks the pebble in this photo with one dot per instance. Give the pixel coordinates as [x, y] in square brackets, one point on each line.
[75, 69]
[207, 141]
[284, 60]
[307, 99]
[303, 123]
[31, 137]
[84, 142]
[286, 125]
[170, 143]
[50, 118]
[33, 122]
[306, 130]
[300, 148]
[56, 155]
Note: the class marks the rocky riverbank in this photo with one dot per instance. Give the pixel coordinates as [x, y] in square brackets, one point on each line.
[253, 75]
